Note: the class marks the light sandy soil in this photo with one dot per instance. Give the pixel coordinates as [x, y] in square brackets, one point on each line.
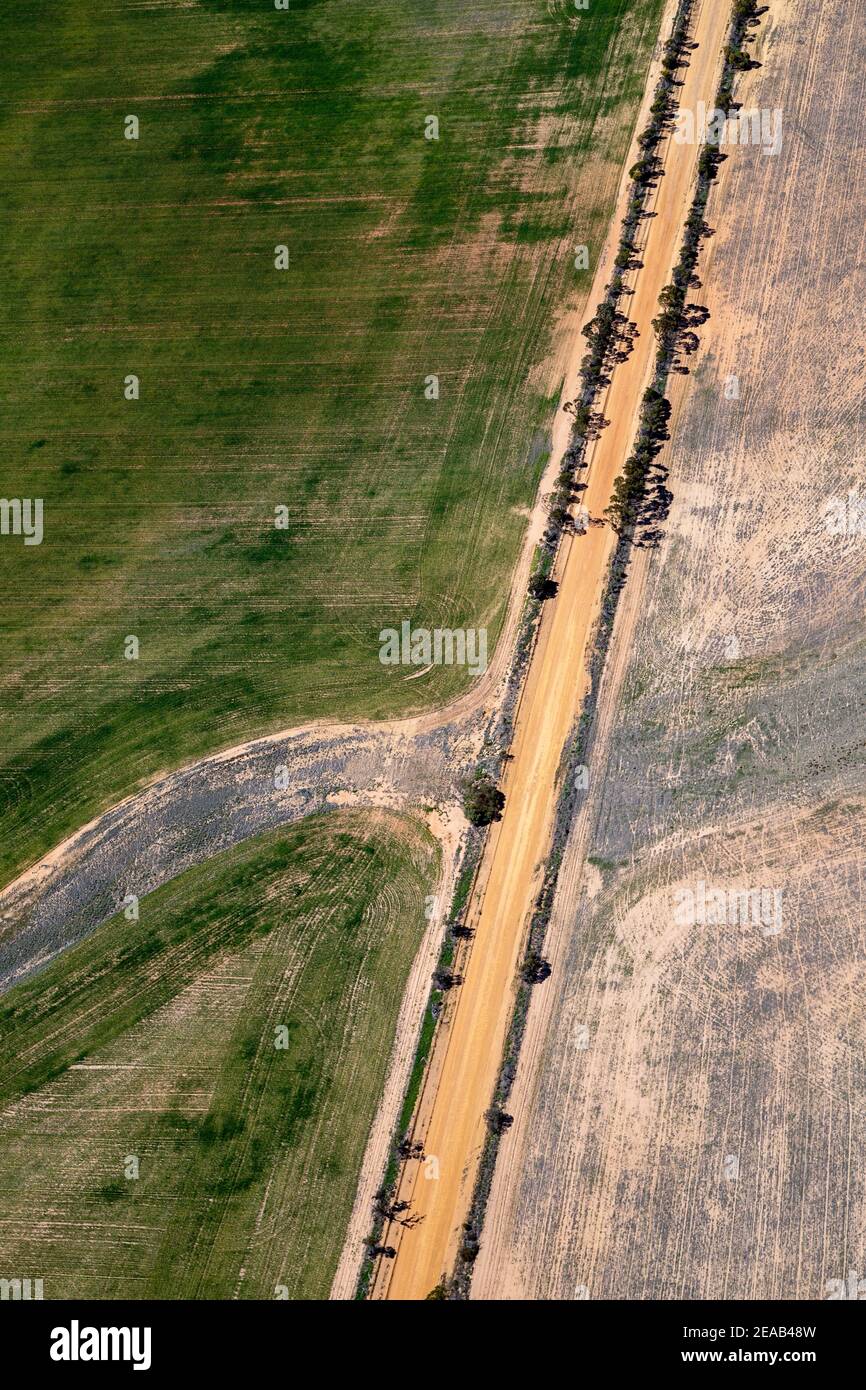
[688, 1105]
[460, 1080]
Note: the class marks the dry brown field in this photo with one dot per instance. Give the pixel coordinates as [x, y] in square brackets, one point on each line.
[688, 1108]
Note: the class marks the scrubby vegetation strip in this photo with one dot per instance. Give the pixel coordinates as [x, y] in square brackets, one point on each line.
[458, 936]
[610, 333]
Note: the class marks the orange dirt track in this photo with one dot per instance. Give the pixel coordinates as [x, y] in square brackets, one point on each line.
[468, 1050]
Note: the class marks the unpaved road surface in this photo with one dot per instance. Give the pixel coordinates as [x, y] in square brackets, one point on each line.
[462, 1074]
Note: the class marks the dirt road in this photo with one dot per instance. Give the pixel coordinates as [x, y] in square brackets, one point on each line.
[462, 1074]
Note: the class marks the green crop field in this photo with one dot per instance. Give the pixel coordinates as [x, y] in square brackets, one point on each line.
[258, 388]
[156, 1040]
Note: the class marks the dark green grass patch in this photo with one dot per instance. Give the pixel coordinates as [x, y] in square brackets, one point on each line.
[261, 388]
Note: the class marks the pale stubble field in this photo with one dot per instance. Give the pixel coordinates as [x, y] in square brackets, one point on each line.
[687, 1110]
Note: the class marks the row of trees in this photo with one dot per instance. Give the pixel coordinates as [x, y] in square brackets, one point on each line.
[629, 493]
[747, 16]
[610, 334]
[640, 494]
